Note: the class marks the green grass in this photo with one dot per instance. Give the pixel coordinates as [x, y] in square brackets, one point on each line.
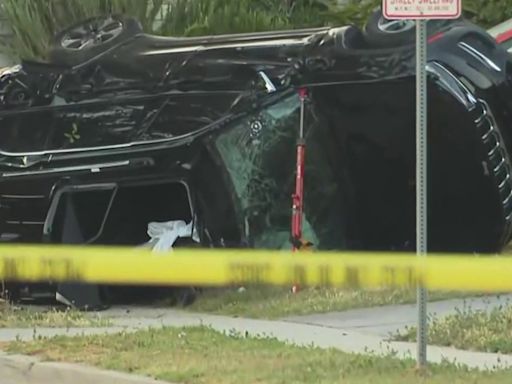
[14, 317]
[488, 331]
[203, 356]
[273, 302]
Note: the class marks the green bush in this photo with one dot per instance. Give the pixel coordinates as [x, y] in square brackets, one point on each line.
[488, 13]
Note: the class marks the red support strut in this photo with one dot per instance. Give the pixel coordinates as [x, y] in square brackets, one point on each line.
[298, 196]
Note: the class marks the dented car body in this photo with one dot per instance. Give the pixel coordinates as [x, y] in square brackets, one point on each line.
[102, 140]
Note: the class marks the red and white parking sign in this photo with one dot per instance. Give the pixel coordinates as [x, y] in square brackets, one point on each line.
[421, 9]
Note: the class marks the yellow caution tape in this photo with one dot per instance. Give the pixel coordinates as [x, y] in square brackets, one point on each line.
[206, 267]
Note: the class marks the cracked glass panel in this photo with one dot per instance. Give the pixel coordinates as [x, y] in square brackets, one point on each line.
[260, 154]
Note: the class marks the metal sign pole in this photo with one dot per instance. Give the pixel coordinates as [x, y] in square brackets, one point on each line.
[421, 181]
[421, 11]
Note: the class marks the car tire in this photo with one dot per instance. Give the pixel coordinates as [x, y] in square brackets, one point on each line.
[384, 33]
[18, 96]
[380, 32]
[88, 39]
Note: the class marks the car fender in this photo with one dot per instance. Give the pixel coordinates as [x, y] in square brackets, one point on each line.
[473, 54]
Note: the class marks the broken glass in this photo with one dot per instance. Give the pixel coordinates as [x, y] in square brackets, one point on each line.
[259, 152]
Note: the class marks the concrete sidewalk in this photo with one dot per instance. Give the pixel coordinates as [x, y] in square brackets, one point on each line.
[386, 320]
[357, 331]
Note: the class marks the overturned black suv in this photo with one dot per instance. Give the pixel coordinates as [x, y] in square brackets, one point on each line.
[120, 129]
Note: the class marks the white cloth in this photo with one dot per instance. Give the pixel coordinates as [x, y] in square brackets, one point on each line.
[164, 235]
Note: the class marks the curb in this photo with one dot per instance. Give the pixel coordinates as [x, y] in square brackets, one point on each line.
[18, 369]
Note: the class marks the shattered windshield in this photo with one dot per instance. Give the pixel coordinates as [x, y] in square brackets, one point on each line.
[259, 152]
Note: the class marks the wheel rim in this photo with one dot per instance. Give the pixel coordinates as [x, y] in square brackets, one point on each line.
[96, 32]
[395, 26]
[18, 97]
